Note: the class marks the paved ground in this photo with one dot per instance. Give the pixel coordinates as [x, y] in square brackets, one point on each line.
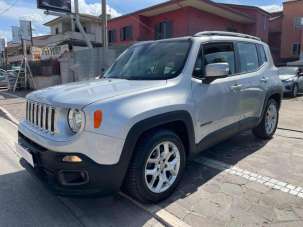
[241, 182]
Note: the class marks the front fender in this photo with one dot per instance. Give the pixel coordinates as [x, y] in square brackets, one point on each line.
[145, 125]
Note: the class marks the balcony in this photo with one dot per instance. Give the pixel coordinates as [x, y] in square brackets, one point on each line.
[59, 38]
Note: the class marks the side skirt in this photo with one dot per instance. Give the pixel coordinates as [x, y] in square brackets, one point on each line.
[224, 134]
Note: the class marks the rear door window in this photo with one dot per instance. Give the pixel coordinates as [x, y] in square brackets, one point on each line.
[248, 57]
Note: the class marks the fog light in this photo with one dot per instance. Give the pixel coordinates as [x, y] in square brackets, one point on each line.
[72, 158]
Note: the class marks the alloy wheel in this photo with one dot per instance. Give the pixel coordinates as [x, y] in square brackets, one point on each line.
[162, 167]
[271, 118]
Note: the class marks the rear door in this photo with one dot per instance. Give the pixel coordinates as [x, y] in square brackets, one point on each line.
[216, 103]
[253, 80]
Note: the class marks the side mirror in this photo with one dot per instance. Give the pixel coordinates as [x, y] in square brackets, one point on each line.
[101, 75]
[216, 70]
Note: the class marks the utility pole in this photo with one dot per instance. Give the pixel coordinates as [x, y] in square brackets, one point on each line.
[89, 44]
[104, 24]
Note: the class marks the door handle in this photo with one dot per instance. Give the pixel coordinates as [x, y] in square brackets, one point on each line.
[264, 79]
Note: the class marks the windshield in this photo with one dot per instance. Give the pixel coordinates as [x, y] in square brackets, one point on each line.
[288, 71]
[151, 61]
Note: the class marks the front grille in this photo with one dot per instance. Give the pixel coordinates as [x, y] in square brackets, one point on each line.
[41, 116]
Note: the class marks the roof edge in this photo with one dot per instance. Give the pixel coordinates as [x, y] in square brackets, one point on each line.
[219, 5]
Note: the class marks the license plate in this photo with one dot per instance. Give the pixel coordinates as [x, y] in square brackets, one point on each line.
[25, 154]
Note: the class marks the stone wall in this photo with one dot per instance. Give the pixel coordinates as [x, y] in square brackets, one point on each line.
[41, 82]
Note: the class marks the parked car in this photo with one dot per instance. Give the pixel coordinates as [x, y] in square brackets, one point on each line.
[4, 84]
[292, 78]
[160, 104]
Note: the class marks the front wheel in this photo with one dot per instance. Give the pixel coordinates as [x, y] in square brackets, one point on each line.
[157, 167]
[268, 126]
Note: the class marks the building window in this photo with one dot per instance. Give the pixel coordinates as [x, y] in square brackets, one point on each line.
[126, 33]
[57, 31]
[231, 29]
[164, 30]
[298, 22]
[112, 36]
[77, 29]
[296, 49]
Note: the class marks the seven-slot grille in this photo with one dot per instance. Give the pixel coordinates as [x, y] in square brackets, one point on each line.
[41, 116]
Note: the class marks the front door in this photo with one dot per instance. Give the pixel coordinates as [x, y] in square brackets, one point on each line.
[216, 103]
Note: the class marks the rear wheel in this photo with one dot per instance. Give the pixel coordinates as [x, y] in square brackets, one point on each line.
[268, 126]
[157, 167]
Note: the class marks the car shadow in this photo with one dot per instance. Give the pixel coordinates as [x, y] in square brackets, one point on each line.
[229, 152]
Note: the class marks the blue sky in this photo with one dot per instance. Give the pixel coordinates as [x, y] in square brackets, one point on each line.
[13, 10]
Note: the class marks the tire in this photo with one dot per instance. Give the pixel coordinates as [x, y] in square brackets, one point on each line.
[294, 92]
[137, 179]
[261, 131]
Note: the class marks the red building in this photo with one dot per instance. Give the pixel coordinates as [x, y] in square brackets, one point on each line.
[177, 18]
[286, 32]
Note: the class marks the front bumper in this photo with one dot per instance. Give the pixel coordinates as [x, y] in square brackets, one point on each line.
[71, 179]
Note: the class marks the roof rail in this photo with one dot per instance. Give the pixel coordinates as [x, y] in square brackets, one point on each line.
[222, 33]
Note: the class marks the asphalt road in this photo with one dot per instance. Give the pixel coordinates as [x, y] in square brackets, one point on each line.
[25, 202]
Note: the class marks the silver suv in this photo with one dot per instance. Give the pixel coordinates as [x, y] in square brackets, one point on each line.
[160, 104]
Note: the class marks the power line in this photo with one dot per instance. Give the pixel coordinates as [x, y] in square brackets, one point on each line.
[8, 8]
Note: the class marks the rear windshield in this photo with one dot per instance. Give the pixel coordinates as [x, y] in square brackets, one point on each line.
[151, 61]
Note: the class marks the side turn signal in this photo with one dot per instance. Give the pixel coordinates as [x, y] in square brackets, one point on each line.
[98, 118]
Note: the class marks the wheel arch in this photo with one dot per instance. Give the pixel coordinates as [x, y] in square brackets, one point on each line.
[275, 93]
[177, 121]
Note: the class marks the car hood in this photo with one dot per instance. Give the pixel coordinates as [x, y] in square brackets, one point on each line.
[80, 94]
[286, 77]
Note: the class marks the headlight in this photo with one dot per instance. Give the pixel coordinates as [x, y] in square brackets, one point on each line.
[75, 120]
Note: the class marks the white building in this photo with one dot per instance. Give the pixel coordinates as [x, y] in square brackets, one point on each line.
[62, 32]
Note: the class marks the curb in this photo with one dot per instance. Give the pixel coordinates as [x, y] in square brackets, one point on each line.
[6, 113]
[9, 116]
